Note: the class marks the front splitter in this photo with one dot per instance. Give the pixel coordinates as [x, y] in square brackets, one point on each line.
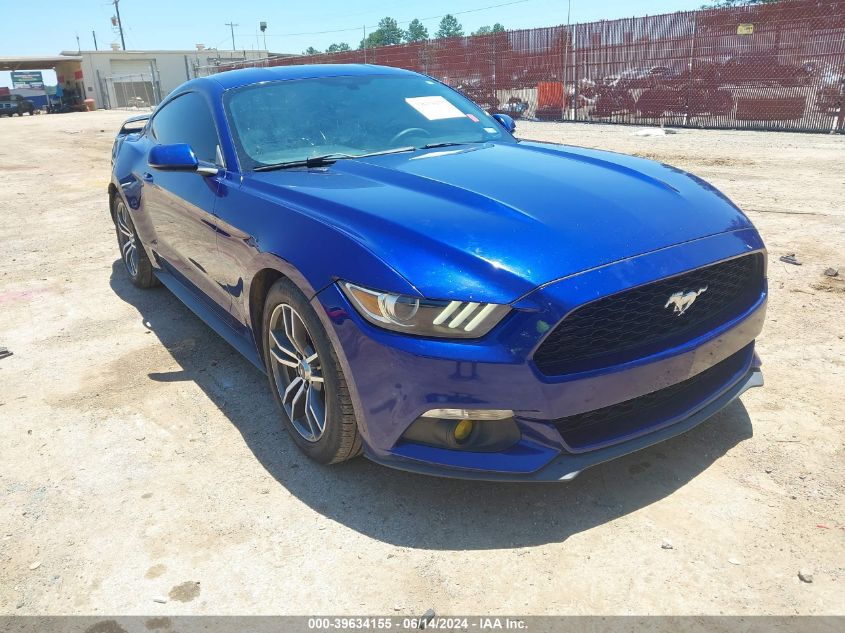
[567, 466]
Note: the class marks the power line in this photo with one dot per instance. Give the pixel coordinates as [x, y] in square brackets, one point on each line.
[375, 26]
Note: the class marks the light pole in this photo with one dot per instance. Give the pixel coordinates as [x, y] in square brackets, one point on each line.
[232, 26]
[119, 23]
[263, 27]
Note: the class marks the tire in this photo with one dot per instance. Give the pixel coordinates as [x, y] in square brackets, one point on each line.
[135, 260]
[299, 390]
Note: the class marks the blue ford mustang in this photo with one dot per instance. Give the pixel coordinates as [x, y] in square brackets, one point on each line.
[422, 288]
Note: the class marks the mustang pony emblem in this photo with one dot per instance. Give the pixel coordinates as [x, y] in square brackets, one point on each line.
[681, 300]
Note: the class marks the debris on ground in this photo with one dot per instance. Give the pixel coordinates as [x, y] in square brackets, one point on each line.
[654, 131]
[805, 576]
[35, 565]
[667, 544]
[4, 352]
[735, 561]
[831, 272]
[160, 599]
[790, 259]
[427, 617]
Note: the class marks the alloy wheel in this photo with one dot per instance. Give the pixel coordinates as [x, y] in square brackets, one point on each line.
[298, 372]
[128, 240]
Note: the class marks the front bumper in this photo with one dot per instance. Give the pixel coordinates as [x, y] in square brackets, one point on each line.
[394, 378]
[567, 466]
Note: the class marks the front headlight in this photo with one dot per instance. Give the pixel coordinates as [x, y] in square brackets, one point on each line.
[423, 317]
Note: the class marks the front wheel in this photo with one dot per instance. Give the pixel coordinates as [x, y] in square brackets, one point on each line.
[135, 259]
[305, 376]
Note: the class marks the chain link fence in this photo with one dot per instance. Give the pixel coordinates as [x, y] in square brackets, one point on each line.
[771, 66]
[140, 91]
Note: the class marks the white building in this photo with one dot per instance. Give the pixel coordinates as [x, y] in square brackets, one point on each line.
[118, 78]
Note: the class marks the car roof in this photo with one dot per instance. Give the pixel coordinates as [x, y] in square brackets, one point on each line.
[246, 76]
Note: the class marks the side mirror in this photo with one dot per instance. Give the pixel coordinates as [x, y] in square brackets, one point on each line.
[506, 122]
[179, 157]
[176, 157]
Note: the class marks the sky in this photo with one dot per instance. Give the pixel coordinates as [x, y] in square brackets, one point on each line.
[50, 26]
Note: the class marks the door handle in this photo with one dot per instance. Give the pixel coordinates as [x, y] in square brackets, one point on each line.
[147, 176]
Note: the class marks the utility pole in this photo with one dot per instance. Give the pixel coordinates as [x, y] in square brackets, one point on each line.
[119, 23]
[94, 35]
[232, 26]
[78, 47]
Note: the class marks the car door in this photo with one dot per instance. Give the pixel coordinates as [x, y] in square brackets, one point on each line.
[180, 205]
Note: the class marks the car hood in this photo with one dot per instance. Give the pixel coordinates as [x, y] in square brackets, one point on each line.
[491, 222]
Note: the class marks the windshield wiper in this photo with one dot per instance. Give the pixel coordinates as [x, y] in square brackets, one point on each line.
[328, 159]
[449, 144]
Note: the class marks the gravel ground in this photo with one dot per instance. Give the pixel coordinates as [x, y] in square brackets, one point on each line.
[143, 469]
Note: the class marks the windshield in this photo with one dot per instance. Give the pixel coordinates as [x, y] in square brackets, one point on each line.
[290, 121]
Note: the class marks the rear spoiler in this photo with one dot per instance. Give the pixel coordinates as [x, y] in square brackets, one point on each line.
[134, 124]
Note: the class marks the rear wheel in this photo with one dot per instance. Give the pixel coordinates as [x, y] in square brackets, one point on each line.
[135, 259]
[305, 375]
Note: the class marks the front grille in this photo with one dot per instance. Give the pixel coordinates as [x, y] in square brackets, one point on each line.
[636, 322]
[608, 425]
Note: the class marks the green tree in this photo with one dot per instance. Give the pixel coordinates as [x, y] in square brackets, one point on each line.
[390, 31]
[416, 32]
[373, 40]
[342, 47]
[387, 33]
[310, 51]
[486, 30]
[449, 27]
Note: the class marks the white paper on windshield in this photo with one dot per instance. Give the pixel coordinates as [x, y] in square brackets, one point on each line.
[434, 108]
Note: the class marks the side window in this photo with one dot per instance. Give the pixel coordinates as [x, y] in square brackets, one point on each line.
[187, 119]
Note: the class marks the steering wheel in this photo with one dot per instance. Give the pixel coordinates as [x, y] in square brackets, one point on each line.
[406, 132]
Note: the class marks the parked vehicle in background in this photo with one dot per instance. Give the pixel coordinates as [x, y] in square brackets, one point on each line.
[613, 96]
[424, 288]
[642, 77]
[515, 107]
[694, 101]
[15, 104]
[755, 67]
[479, 93]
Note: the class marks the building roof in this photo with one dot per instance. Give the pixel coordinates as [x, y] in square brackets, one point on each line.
[35, 63]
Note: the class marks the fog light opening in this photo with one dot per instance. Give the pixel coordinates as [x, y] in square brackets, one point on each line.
[463, 431]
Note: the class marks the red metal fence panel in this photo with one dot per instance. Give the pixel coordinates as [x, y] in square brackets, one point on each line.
[770, 66]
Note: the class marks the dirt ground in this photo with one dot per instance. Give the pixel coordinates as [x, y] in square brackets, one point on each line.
[143, 468]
